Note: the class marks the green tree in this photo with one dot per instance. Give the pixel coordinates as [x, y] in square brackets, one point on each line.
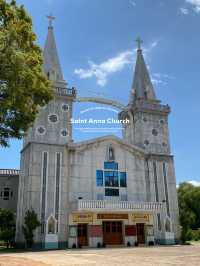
[30, 224]
[23, 85]
[7, 226]
[189, 208]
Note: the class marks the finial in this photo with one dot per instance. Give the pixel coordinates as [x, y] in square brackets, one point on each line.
[51, 19]
[139, 41]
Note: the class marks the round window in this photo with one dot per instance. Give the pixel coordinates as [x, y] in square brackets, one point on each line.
[64, 133]
[155, 132]
[65, 107]
[41, 130]
[53, 118]
[146, 142]
[162, 121]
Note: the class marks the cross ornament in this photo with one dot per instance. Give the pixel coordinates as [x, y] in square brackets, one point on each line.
[139, 41]
[51, 19]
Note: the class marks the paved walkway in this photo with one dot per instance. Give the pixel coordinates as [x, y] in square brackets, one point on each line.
[147, 256]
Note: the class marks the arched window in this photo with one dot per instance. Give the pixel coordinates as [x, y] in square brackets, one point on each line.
[111, 153]
[51, 225]
[167, 225]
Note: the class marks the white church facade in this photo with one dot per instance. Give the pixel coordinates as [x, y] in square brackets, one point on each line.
[103, 191]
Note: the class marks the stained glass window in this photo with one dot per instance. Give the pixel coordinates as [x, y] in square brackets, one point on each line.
[111, 178]
[111, 165]
[123, 179]
[111, 192]
[99, 178]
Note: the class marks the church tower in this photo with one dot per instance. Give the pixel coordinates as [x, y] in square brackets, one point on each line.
[148, 129]
[53, 123]
[43, 178]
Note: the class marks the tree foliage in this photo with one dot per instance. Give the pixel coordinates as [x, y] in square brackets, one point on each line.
[23, 85]
[7, 226]
[189, 207]
[30, 224]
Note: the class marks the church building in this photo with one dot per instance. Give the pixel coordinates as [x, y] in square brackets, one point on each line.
[103, 191]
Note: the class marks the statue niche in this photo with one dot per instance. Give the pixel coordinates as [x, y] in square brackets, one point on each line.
[111, 154]
[51, 225]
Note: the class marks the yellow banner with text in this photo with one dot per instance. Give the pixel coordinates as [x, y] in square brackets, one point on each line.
[140, 217]
[82, 217]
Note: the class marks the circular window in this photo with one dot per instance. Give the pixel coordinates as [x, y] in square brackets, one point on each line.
[65, 107]
[41, 130]
[64, 133]
[155, 132]
[53, 118]
[146, 142]
[162, 121]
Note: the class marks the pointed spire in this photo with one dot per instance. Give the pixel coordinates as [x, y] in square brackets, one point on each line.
[142, 87]
[51, 60]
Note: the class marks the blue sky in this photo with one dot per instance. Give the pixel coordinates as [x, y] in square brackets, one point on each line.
[96, 43]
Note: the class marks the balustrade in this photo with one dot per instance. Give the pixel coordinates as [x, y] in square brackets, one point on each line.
[117, 205]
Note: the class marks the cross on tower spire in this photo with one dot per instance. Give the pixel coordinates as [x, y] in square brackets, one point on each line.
[51, 19]
[139, 41]
[142, 87]
[51, 60]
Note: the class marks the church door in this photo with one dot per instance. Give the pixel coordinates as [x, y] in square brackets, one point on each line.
[140, 233]
[112, 233]
[82, 235]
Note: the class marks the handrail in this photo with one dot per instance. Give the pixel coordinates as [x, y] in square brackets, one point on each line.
[118, 205]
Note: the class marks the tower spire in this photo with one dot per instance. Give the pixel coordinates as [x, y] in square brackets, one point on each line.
[51, 19]
[142, 87]
[51, 60]
[139, 41]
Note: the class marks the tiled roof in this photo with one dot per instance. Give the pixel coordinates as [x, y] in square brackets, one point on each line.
[9, 172]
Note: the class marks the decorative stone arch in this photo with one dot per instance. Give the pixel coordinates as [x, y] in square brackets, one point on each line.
[51, 225]
[113, 103]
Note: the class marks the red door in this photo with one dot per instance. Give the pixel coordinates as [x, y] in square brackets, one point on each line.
[82, 235]
[140, 233]
[112, 233]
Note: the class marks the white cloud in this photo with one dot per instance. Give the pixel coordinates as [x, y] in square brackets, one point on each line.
[161, 79]
[105, 69]
[194, 183]
[184, 10]
[154, 44]
[133, 3]
[195, 4]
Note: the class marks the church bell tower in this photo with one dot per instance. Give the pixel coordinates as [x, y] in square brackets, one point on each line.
[44, 172]
[148, 127]
[148, 130]
[53, 123]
